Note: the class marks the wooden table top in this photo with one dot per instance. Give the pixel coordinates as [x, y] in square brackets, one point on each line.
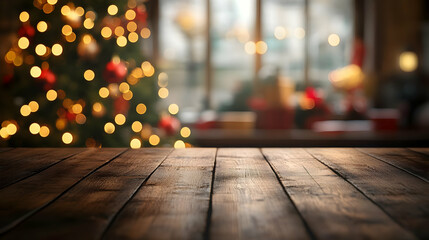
[209, 193]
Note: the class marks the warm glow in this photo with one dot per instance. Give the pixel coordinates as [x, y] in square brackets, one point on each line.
[141, 108]
[89, 75]
[173, 109]
[179, 144]
[65, 10]
[42, 26]
[162, 79]
[67, 30]
[299, 33]
[112, 10]
[120, 119]
[250, 47]
[34, 128]
[35, 71]
[51, 95]
[121, 41]
[124, 87]
[25, 110]
[133, 37]
[86, 39]
[77, 108]
[44, 131]
[280, 32]
[79, 11]
[334, 40]
[408, 61]
[40, 49]
[11, 129]
[261, 47]
[106, 32]
[145, 33]
[34, 106]
[109, 128]
[71, 37]
[48, 8]
[136, 126]
[185, 132]
[57, 49]
[61, 123]
[163, 92]
[24, 16]
[132, 26]
[97, 107]
[154, 140]
[10, 56]
[88, 23]
[23, 43]
[119, 31]
[103, 92]
[52, 2]
[130, 14]
[67, 138]
[128, 95]
[80, 118]
[135, 143]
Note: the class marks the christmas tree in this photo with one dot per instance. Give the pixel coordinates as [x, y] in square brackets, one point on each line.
[78, 78]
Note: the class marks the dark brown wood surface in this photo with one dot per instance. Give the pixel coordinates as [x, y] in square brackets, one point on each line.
[209, 193]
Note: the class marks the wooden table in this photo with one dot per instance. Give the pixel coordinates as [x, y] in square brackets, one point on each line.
[209, 193]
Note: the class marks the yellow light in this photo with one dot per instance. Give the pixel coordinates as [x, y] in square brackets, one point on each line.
[250, 47]
[141, 108]
[77, 108]
[44, 131]
[79, 11]
[119, 31]
[52, 2]
[91, 15]
[11, 129]
[42, 26]
[3, 133]
[112, 10]
[18, 61]
[67, 30]
[173, 109]
[71, 37]
[10, 56]
[24, 16]
[154, 140]
[65, 10]
[128, 95]
[103, 92]
[89, 75]
[57, 49]
[299, 33]
[334, 40]
[179, 144]
[121, 41]
[88, 23]
[51, 95]
[86, 39]
[67, 138]
[136, 126]
[106, 32]
[80, 118]
[408, 61]
[132, 26]
[133, 37]
[35, 71]
[34, 106]
[261, 47]
[23, 43]
[97, 107]
[124, 87]
[145, 33]
[135, 143]
[61, 123]
[34, 128]
[163, 92]
[109, 128]
[48, 8]
[163, 79]
[130, 14]
[40, 49]
[280, 32]
[185, 132]
[120, 119]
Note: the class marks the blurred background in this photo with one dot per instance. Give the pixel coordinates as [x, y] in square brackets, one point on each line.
[214, 73]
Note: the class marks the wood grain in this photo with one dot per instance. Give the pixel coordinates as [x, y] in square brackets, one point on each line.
[100, 196]
[333, 208]
[424, 151]
[248, 200]
[23, 199]
[19, 164]
[404, 197]
[173, 203]
[412, 162]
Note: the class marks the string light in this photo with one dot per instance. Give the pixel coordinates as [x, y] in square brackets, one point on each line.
[131, 26]
[106, 32]
[88, 23]
[67, 138]
[44, 131]
[121, 41]
[141, 108]
[89, 75]
[11, 129]
[128, 95]
[80, 118]
[112, 10]
[261, 47]
[250, 47]
[52, 2]
[77, 108]
[133, 37]
[35, 71]
[334, 40]
[109, 128]
[119, 31]
[24, 16]
[173, 109]
[23, 43]
[185, 132]
[120, 119]
[280, 33]
[79, 11]
[103, 92]
[136, 126]
[145, 33]
[57, 49]
[65, 10]
[130, 14]
[51, 95]
[179, 144]
[154, 140]
[25, 110]
[163, 92]
[42, 26]
[71, 37]
[34, 128]
[135, 143]
[124, 87]
[34, 106]
[40, 49]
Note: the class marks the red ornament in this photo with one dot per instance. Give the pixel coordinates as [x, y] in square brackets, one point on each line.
[141, 15]
[26, 31]
[48, 78]
[121, 105]
[169, 124]
[115, 72]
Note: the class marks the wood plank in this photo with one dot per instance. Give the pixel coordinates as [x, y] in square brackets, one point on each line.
[85, 211]
[23, 199]
[404, 197]
[409, 161]
[5, 149]
[333, 208]
[173, 203]
[424, 151]
[21, 163]
[248, 200]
